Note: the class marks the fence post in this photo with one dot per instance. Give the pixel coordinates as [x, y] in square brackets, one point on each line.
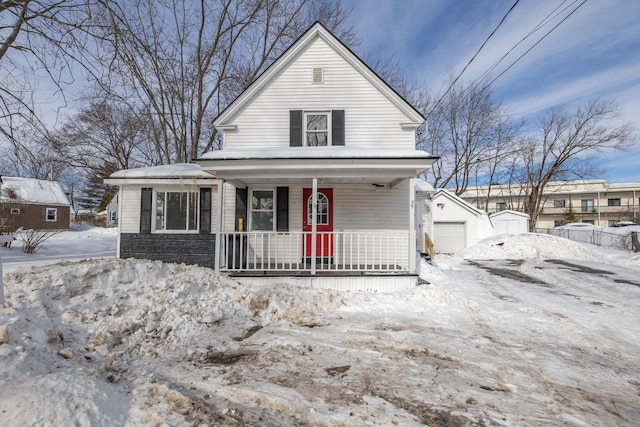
[634, 241]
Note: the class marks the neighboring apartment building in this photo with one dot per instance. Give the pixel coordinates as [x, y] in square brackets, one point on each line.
[593, 201]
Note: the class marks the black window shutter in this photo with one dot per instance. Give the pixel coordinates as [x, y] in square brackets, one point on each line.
[337, 127]
[146, 210]
[241, 209]
[295, 128]
[282, 199]
[205, 210]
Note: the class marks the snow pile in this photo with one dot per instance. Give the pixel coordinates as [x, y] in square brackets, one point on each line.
[103, 321]
[530, 245]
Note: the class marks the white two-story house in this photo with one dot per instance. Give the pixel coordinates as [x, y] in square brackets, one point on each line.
[315, 181]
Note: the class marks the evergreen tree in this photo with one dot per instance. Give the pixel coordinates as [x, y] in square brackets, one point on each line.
[570, 215]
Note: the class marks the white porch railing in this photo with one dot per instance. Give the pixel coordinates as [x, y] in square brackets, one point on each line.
[346, 251]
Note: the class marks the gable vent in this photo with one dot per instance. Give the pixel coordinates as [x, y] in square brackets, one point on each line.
[318, 75]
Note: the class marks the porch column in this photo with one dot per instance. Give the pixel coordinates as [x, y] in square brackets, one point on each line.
[314, 223]
[412, 225]
[219, 220]
[119, 218]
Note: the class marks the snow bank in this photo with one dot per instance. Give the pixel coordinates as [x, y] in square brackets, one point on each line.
[103, 320]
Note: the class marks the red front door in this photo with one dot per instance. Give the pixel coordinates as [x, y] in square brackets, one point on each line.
[324, 225]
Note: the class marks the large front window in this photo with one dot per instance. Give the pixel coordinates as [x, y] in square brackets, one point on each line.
[262, 210]
[317, 129]
[176, 211]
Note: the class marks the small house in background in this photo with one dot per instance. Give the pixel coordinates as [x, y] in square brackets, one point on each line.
[111, 212]
[33, 204]
[509, 222]
[456, 224]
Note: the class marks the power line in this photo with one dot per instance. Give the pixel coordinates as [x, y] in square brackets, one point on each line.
[539, 26]
[474, 56]
[546, 20]
[537, 43]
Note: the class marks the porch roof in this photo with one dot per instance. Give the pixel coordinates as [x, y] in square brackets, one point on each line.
[330, 164]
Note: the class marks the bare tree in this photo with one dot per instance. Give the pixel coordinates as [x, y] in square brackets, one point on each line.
[177, 63]
[39, 42]
[103, 132]
[564, 143]
[469, 130]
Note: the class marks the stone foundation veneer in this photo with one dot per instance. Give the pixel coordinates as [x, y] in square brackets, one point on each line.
[179, 248]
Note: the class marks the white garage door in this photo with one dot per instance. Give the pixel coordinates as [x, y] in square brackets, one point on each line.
[449, 237]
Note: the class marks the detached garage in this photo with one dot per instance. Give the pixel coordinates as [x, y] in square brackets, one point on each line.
[509, 222]
[456, 224]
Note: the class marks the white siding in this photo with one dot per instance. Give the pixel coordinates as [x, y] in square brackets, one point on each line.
[130, 204]
[364, 208]
[229, 203]
[371, 120]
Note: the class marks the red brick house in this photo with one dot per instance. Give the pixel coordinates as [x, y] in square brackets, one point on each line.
[32, 204]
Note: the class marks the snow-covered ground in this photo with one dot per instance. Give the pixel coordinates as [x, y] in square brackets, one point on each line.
[81, 242]
[520, 330]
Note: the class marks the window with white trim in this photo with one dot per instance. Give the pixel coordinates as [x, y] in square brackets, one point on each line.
[51, 215]
[262, 204]
[316, 129]
[15, 211]
[176, 210]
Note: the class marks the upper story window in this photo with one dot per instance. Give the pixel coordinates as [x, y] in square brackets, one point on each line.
[613, 202]
[317, 129]
[586, 205]
[176, 210]
[501, 206]
[262, 210]
[558, 203]
[51, 214]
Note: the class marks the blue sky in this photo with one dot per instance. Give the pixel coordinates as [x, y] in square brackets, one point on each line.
[594, 53]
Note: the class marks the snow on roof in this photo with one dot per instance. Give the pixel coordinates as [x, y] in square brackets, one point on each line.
[177, 170]
[510, 212]
[423, 186]
[333, 152]
[31, 190]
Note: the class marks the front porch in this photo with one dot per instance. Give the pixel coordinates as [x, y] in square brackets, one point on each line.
[345, 260]
[336, 251]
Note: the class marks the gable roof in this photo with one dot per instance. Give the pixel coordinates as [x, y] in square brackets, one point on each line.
[317, 30]
[33, 191]
[457, 200]
[510, 213]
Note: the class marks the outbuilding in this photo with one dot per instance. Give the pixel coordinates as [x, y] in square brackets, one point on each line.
[457, 225]
[509, 222]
